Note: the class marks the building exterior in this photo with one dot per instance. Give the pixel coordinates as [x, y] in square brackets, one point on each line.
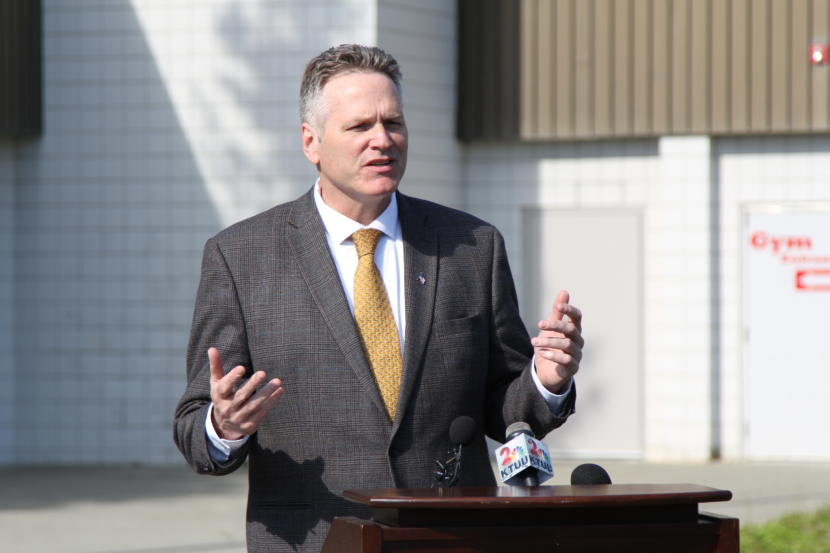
[665, 160]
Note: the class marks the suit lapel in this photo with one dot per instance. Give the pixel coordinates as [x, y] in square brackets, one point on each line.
[310, 246]
[420, 247]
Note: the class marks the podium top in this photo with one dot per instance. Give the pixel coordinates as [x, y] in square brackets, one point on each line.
[542, 497]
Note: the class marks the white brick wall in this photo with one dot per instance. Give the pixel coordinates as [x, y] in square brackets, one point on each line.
[677, 302]
[689, 339]
[501, 178]
[232, 71]
[164, 121]
[422, 37]
[669, 180]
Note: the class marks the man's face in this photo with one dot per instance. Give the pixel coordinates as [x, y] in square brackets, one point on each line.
[361, 151]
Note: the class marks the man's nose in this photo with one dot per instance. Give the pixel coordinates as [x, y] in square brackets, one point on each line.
[380, 137]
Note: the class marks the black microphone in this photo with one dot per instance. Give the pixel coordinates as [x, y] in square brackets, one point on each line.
[589, 474]
[530, 477]
[462, 431]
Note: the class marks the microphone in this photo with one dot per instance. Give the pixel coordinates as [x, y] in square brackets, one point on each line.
[462, 431]
[589, 474]
[523, 460]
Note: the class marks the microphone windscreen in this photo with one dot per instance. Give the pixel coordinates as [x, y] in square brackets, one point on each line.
[589, 474]
[462, 430]
[518, 428]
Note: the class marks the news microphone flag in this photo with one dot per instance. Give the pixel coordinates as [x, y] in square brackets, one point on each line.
[520, 455]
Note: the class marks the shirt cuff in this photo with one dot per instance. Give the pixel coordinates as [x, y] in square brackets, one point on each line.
[220, 449]
[555, 402]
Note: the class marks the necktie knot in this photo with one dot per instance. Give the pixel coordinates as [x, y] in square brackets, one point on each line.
[366, 240]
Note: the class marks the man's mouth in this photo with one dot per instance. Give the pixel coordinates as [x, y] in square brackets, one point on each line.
[380, 162]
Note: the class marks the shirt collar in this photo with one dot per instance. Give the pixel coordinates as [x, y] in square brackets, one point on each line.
[340, 228]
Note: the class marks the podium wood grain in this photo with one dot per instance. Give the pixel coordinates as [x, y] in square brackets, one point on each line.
[585, 519]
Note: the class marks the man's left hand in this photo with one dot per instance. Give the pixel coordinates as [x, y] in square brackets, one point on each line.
[558, 346]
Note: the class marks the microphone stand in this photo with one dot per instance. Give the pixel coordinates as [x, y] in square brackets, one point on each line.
[448, 470]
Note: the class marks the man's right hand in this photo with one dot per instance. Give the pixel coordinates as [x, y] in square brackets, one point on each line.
[237, 410]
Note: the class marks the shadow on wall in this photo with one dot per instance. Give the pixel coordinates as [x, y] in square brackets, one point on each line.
[111, 215]
[156, 135]
[267, 45]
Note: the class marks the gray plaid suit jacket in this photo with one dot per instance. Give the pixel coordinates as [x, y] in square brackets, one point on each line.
[270, 299]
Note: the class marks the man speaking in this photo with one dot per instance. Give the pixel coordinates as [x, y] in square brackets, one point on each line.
[335, 338]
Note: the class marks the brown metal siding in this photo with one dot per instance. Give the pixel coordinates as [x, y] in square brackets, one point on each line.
[820, 86]
[20, 68]
[628, 68]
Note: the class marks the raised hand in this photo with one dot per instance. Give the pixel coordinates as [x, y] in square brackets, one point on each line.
[238, 407]
[558, 346]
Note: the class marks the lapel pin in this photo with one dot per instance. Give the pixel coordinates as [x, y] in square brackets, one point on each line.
[422, 278]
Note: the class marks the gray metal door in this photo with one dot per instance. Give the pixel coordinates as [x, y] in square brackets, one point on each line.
[595, 254]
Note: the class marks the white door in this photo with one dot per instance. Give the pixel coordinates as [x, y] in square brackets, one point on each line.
[786, 320]
[596, 254]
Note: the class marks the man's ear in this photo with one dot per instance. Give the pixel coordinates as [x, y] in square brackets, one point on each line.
[311, 143]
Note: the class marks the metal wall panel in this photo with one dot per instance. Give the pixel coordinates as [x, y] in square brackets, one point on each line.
[641, 67]
[821, 78]
[589, 69]
[603, 84]
[799, 35]
[622, 63]
[759, 32]
[721, 67]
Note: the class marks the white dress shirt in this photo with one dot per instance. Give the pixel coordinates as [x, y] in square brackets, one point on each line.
[389, 260]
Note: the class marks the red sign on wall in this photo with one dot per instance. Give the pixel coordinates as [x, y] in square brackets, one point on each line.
[796, 249]
[813, 279]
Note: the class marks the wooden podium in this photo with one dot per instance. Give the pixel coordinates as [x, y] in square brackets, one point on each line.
[597, 518]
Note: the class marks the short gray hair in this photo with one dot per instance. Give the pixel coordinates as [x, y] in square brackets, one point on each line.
[340, 60]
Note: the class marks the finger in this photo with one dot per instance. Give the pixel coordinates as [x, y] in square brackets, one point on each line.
[227, 385]
[564, 361]
[264, 400]
[255, 410]
[573, 313]
[555, 353]
[562, 297]
[266, 407]
[557, 356]
[246, 390]
[215, 359]
[561, 329]
[563, 344]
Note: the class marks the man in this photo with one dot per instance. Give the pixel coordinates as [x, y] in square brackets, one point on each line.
[359, 356]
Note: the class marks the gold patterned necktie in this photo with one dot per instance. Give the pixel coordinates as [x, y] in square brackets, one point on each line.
[375, 321]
